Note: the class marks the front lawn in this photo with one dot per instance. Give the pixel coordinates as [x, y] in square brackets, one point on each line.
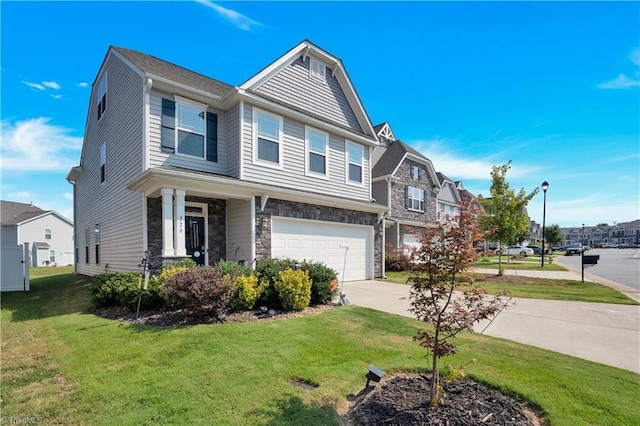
[63, 365]
[529, 263]
[538, 288]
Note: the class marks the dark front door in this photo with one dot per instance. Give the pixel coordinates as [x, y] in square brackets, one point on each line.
[195, 238]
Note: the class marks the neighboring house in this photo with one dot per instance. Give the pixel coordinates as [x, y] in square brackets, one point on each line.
[177, 164]
[404, 180]
[448, 198]
[49, 234]
[625, 233]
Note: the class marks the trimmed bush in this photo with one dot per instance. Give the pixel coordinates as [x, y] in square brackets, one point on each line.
[121, 289]
[203, 288]
[323, 282]
[228, 267]
[396, 260]
[294, 289]
[268, 271]
[247, 292]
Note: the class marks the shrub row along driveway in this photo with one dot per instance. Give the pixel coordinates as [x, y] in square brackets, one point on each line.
[600, 332]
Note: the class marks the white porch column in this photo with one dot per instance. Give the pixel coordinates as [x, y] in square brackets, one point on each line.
[179, 223]
[167, 222]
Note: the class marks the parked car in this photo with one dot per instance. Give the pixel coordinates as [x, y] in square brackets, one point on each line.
[610, 245]
[574, 249]
[517, 250]
[538, 249]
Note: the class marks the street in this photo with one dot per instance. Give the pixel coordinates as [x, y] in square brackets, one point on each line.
[619, 265]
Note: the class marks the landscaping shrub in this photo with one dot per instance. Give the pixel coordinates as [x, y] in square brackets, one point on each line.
[228, 267]
[268, 271]
[121, 289]
[294, 289]
[396, 260]
[203, 288]
[246, 292]
[323, 282]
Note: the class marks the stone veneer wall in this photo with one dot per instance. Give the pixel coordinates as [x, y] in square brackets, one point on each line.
[217, 236]
[282, 208]
[404, 179]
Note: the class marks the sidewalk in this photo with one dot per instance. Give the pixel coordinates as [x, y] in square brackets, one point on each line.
[600, 332]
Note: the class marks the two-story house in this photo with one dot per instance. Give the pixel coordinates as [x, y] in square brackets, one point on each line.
[48, 233]
[448, 198]
[176, 164]
[404, 180]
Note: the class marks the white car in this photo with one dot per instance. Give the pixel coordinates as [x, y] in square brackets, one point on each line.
[517, 251]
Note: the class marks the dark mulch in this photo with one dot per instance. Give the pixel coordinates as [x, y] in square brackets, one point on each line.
[404, 400]
[181, 317]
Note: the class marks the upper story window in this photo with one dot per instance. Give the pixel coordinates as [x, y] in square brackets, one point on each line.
[268, 138]
[415, 172]
[103, 163]
[101, 97]
[47, 234]
[317, 69]
[355, 162]
[317, 151]
[415, 199]
[191, 127]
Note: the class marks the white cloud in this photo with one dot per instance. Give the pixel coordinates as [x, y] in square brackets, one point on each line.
[83, 84]
[57, 96]
[37, 145]
[239, 20]
[68, 196]
[37, 86]
[51, 85]
[620, 82]
[20, 196]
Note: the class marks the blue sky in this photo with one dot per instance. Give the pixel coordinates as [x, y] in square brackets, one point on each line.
[553, 87]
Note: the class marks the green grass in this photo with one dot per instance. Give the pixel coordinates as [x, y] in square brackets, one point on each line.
[529, 263]
[63, 365]
[539, 288]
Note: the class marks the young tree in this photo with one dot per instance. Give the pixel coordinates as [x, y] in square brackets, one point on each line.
[505, 215]
[434, 269]
[553, 235]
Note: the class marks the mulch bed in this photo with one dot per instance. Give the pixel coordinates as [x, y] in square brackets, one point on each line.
[182, 317]
[404, 400]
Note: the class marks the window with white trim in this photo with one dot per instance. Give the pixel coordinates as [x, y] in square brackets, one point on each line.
[415, 172]
[355, 161]
[101, 97]
[415, 199]
[268, 137]
[47, 234]
[103, 163]
[190, 122]
[317, 151]
[52, 256]
[317, 69]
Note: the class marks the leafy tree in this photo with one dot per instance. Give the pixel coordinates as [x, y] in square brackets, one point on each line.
[505, 215]
[434, 270]
[553, 235]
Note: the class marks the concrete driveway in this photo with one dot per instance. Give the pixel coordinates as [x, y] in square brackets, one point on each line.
[600, 332]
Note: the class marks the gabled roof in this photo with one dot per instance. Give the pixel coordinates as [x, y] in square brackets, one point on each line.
[307, 48]
[155, 67]
[443, 179]
[12, 213]
[384, 132]
[395, 155]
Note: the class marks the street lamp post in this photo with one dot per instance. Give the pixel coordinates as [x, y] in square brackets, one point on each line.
[582, 252]
[545, 186]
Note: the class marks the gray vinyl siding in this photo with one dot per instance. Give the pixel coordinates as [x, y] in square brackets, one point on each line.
[233, 142]
[293, 174]
[295, 87]
[110, 204]
[239, 231]
[159, 158]
[447, 195]
[380, 192]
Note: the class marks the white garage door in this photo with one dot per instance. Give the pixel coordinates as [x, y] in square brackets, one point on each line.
[325, 242]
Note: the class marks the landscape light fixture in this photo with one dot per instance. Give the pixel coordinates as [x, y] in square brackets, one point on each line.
[545, 186]
[374, 374]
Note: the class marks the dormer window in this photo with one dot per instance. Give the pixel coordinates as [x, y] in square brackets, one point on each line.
[317, 69]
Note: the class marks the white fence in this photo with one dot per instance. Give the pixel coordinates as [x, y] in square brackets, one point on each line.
[14, 268]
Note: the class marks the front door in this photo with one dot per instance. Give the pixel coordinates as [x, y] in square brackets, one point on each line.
[194, 234]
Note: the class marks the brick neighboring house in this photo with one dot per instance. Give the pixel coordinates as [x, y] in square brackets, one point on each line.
[177, 164]
[49, 234]
[404, 180]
